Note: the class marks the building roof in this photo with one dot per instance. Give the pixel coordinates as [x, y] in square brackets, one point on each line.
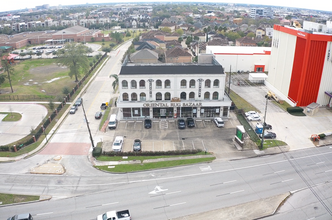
[238, 50]
[171, 69]
[145, 45]
[72, 30]
[144, 54]
[177, 52]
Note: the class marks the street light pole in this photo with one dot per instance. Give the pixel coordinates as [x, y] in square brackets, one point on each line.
[87, 124]
[261, 147]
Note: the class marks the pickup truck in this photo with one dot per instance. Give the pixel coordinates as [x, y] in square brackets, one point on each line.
[115, 215]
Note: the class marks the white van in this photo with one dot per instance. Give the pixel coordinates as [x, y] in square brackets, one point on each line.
[112, 122]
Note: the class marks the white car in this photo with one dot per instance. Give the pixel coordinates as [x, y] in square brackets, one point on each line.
[254, 117]
[117, 144]
[73, 109]
[219, 122]
[250, 113]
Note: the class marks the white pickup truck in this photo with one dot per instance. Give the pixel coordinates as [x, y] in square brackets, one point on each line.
[115, 215]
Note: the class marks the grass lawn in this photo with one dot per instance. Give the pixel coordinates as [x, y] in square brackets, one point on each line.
[242, 103]
[272, 143]
[11, 116]
[150, 166]
[12, 198]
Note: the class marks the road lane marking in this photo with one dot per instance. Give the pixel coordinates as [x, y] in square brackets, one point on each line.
[112, 203]
[279, 171]
[46, 213]
[172, 192]
[225, 194]
[237, 192]
[286, 180]
[231, 181]
[326, 171]
[181, 203]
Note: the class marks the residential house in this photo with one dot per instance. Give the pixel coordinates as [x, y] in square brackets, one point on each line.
[144, 56]
[177, 55]
[245, 41]
[260, 33]
[171, 26]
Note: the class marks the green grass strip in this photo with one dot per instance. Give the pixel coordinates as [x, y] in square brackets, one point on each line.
[11, 116]
[150, 166]
[12, 198]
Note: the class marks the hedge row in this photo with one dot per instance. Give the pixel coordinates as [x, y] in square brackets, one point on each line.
[294, 109]
[149, 153]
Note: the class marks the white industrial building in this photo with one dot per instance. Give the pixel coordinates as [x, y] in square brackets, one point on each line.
[247, 59]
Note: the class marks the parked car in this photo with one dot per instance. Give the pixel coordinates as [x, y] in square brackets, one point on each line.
[181, 124]
[269, 135]
[254, 117]
[147, 123]
[137, 146]
[73, 109]
[25, 216]
[190, 122]
[98, 115]
[219, 122]
[79, 102]
[267, 126]
[117, 144]
[104, 105]
[250, 113]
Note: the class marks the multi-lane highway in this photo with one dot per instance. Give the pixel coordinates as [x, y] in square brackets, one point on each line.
[165, 194]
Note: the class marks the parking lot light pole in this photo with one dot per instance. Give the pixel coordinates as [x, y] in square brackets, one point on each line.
[267, 98]
[87, 124]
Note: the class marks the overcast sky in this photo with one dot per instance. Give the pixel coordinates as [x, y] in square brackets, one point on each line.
[21, 4]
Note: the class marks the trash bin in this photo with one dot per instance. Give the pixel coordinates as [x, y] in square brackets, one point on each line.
[259, 128]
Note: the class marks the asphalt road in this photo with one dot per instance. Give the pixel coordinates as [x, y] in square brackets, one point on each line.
[170, 193]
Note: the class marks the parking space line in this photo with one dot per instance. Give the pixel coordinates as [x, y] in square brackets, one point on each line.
[173, 145]
[193, 145]
[183, 145]
[153, 145]
[203, 145]
[163, 146]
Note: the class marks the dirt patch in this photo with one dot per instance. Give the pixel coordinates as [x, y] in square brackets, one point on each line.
[47, 70]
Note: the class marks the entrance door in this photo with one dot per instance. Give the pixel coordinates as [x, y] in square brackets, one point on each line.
[162, 112]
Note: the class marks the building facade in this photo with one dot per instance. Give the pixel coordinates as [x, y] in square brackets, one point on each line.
[173, 90]
[300, 70]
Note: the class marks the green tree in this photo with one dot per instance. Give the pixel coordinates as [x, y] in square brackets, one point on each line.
[179, 31]
[115, 82]
[7, 68]
[74, 57]
[166, 29]
[51, 105]
[250, 34]
[180, 39]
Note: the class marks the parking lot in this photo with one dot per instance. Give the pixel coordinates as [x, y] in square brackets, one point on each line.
[165, 136]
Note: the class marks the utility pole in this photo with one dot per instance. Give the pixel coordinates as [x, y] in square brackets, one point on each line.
[267, 98]
[87, 124]
[229, 79]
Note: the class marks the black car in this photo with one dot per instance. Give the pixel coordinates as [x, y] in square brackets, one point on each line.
[79, 102]
[137, 146]
[103, 106]
[181, 124]
[269, 135]
[267, 126]
[98, 115]
[190, 122]
[147, 123]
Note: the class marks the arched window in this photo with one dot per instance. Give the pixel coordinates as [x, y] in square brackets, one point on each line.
[125, 97]
[159, 96]
[133, 97]
[124, 84]
[206, 95]
[133, 84]
[216, 83]
[183, 96]
[183, 83]
[192, 83]
[142, 84]
[207, 83]
[167, 84]
[215, 96]
[158, 84]
[167, 96]
[191, 96]
[142, 97]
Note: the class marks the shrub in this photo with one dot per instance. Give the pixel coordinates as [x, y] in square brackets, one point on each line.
[96, 151]
[322, 136]
[65, 90]
[4, 148]
[294, 109]
[153, 153]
